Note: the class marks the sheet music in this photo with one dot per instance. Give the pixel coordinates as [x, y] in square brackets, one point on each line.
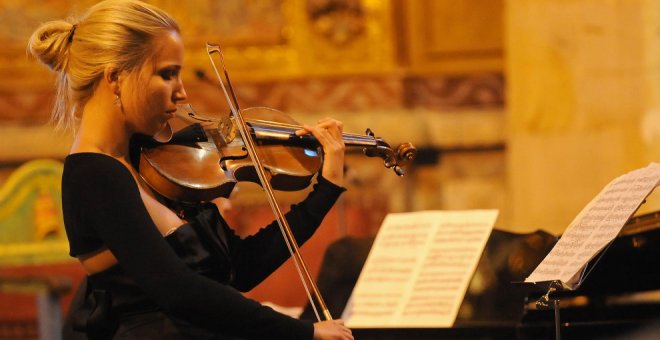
[596, 226]
[419, 268]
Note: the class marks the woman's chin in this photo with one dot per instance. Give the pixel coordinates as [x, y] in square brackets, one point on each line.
[164, 134]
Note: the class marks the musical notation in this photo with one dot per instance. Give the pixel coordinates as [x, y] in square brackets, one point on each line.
[418, 269]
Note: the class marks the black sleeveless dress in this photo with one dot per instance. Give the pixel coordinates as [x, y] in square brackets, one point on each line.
[113, 306]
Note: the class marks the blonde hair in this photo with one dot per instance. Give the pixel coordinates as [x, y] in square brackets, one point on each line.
[115, 33]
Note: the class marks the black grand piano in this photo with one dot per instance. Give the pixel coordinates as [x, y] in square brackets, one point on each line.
[619, 298]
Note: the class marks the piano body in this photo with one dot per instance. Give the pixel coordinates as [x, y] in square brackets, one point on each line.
[619, 299]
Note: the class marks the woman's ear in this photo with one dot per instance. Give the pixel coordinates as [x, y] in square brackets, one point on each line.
[111, 77]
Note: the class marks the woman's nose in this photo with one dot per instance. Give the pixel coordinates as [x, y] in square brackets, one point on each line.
[180, 94]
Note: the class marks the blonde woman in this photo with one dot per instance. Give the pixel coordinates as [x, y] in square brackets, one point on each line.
[152, 273]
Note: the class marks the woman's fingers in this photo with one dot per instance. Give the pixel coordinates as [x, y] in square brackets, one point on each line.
[329, 133]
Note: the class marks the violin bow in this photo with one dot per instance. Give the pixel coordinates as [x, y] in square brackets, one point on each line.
[289, 239]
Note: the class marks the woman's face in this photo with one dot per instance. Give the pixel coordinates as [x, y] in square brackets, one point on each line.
[153, 97]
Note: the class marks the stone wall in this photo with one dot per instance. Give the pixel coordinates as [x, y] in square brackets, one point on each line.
[582, 103]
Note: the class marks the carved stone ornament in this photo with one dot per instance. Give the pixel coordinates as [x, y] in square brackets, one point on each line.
[339, 21]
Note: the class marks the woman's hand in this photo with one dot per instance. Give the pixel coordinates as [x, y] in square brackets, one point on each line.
[332, 329]
[328, 132]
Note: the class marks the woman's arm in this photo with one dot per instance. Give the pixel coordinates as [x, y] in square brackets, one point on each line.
[257, 256]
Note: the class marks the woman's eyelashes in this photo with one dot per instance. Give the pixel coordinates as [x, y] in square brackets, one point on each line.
[169, 73]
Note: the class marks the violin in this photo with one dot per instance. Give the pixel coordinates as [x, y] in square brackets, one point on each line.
[206, 157]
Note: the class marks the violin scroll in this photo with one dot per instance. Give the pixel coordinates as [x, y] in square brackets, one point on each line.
[403, 155]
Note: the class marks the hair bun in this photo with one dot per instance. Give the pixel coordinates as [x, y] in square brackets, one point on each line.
[50, 43]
